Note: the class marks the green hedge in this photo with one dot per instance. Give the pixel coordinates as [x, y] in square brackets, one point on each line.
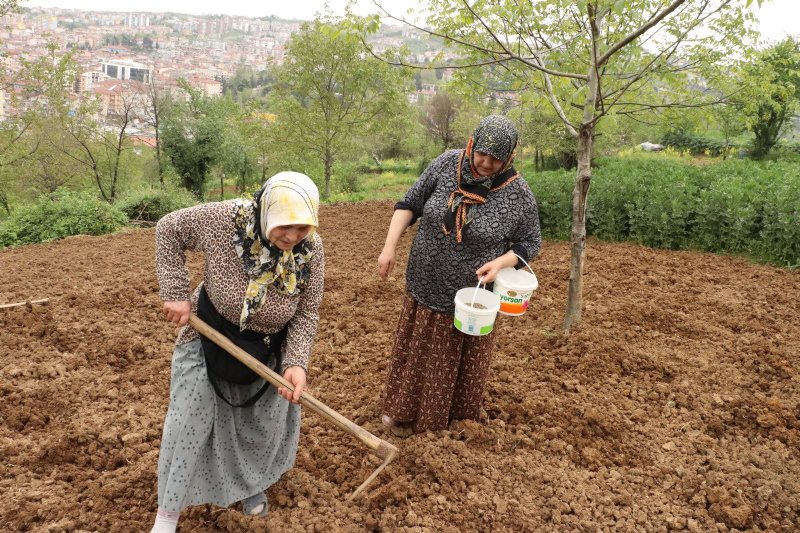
[60, 216]
[150, 204]
[741, 207]
[696, 144]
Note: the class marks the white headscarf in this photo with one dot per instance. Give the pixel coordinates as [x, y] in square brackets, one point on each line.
[288, 198]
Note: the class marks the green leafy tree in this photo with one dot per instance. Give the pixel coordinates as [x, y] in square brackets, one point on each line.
[440, 118]
[543, 132]
[157, 103]
[16, 151]
[73, 133]
[258, 128]
[241, 148]
[101, 144]
[403, 136]
[771, 93]
[330, 95]
[248, 85]
[730, 122]
[192, 137]
[588, 59]
[9, 6]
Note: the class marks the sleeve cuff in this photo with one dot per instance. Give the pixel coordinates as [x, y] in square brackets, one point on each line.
[521, 253]
[408, 207]
[294, 361]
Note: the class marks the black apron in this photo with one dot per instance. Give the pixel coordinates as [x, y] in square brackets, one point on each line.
[221, 365]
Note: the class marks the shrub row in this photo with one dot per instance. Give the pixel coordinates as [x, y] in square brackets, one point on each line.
[68, 213]
[740, 207]
[696, 144]
[59, 216]
[150, 204]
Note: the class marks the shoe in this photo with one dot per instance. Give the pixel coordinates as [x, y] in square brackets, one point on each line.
[401, 431]
[251, 504]
[398, 429]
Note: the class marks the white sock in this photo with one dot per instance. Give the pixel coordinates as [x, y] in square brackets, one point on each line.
[166, 521]
[261, 502]
[257, 510]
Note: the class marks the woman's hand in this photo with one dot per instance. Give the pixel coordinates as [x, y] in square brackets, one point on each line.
[489, 271]
[177, 312]
[295, 375]
[401, 219]
[386, 261]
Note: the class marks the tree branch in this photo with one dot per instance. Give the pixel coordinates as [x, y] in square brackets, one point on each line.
[472, 46]
[655, 19]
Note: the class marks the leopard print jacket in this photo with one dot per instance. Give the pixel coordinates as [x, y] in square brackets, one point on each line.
[209, 228]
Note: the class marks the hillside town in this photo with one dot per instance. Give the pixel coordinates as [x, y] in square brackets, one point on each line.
[117, 53]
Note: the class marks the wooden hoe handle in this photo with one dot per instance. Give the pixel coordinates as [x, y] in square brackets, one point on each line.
[379, 447]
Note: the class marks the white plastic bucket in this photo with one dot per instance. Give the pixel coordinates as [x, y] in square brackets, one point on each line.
[514, 288]
[474, 320]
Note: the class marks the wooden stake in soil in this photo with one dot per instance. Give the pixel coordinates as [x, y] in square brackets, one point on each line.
[377, 446]
[26, 302]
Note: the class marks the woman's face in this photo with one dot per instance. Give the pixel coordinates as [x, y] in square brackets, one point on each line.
[485, 164]
[286, 237]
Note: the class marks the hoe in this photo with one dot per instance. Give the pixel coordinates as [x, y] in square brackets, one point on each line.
[379, 447]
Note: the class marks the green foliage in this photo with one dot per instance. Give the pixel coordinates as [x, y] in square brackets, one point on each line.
[779, 236]
[637, 75]
[368, 181]
[121, 39]
[543, 134]
[553, 191]
[401, 136]
[735, 206]
[247, 85]
[9, 6]
[72, 138]
[194, 135]
[696, 144]
[63, 215]
[151, 203]
[330, 96]
[439, 118]
[771, 93]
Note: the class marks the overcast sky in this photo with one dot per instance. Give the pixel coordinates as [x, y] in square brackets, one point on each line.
[777, 18]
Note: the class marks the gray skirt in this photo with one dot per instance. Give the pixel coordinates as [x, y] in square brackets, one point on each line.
[214, 453]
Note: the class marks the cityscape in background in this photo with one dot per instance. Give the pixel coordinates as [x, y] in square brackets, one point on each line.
[120, 52]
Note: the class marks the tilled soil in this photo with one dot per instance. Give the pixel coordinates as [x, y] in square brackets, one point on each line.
[674, 405]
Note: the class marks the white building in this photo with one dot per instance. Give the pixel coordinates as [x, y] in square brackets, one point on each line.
[87, 80]
[121, 69]
[137, 20]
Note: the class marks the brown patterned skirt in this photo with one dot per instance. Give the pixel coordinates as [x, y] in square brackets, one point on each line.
[437, 374]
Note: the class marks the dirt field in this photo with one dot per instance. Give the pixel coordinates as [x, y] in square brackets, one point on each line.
[675, 406]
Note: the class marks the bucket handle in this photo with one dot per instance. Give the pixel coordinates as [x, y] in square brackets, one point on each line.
[526, 263]
[474, 294]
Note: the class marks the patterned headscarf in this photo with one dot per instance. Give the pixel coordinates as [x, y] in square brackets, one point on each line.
[287, 198]
[496, 136]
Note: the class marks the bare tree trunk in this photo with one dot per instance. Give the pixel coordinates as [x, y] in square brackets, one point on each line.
[583, 179]
[578, 235]
[328, 171]
[118, 153]
[154, 117]
[160, 164]
[4, 202]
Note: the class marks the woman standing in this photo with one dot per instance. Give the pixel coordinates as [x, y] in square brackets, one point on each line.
[226, 441]
[477, 216]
